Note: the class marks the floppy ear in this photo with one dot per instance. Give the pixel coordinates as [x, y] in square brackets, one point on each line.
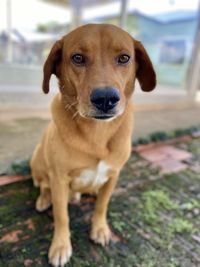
[51, 65]
[145, 72]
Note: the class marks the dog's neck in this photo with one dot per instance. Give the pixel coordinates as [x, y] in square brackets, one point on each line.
[89, 135]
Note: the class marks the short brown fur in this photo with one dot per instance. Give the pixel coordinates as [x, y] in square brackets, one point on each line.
[74, 141]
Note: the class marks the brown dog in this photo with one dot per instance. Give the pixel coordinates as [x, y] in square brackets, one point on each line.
[89, 138]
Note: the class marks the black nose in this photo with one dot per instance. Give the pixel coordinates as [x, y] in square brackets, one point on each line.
[105, 98]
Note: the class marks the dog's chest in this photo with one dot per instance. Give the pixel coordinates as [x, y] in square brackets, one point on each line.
[93, 177]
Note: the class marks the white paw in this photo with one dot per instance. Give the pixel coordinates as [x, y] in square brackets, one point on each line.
[60, 253]
[42, 204]
[75, 198]
[101, 234]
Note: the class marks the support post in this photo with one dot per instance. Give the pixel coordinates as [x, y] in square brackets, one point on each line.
[123, 13]
[77, 10]
[9, 31]
[193, 78]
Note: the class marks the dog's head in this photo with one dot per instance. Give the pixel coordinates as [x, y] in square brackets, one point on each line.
[97, 66]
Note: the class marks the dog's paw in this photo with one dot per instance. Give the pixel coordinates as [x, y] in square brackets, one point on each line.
[75, 198]
[42, 203]
[60, 253]
[101, 234]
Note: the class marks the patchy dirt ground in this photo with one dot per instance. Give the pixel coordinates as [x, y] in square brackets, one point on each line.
[155, 219]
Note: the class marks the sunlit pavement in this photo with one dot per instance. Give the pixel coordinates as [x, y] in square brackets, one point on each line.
[21, 127]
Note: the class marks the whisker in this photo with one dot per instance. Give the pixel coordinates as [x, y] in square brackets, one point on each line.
[69, 106]
[75, 114]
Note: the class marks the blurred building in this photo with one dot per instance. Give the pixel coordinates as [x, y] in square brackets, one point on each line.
[28, 47]
[172, 38]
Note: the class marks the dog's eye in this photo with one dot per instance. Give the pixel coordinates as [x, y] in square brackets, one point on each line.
[78, 59]
[123, 59]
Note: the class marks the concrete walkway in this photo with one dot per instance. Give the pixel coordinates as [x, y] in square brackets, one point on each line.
[147, 122]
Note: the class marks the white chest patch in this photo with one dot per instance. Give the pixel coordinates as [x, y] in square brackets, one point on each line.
[95, 177]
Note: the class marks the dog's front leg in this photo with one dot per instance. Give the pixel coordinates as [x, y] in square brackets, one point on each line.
[61, 249]
[100, 232]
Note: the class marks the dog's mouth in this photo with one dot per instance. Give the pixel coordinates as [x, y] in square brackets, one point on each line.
[98, 116]
[107, 116]
[103, 117]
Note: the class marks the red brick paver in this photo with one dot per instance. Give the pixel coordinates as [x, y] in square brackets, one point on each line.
[9, 179]
[168, 158]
